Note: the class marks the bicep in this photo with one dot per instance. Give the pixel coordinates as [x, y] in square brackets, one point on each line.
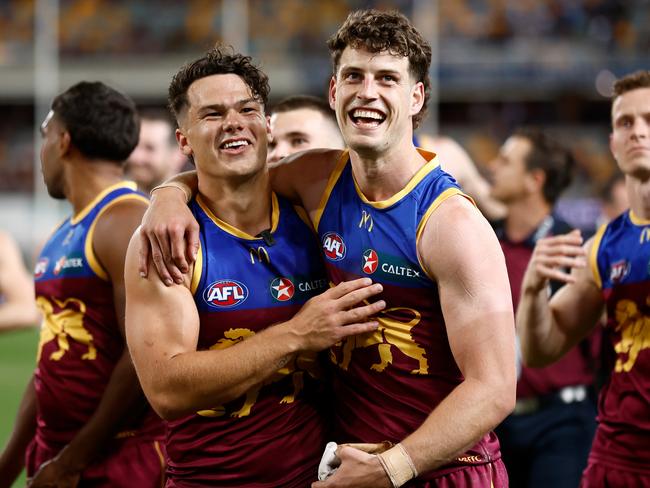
[462, 253]
[161, 321]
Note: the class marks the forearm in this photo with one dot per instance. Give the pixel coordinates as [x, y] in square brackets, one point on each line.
[470, 411]
[18, 315]
[12, 459]
[541, 342]
[122, 399]
[199, 380]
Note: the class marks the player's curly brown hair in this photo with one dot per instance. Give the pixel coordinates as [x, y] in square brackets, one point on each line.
[217, 61]
[377, 31]
[639, 79]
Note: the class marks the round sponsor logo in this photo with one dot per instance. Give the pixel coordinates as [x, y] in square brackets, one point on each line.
[41, 267]
[333, 246]
[370, 261]
[225, 293]
[282, 289]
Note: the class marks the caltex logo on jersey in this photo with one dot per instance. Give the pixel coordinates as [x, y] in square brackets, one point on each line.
[619, 270]
[282, 289]
[40, 268]
[225, 293]
[370, 261]
[333, 246]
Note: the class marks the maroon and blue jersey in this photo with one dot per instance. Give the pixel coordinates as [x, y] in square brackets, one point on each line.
[387, 382]
[620, 260]
[274, 434]
[80, 340]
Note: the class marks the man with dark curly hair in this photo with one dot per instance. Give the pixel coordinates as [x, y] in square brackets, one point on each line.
[239, 396]
[439, 372]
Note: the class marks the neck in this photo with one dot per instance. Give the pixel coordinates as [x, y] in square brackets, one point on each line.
[382, 176]
[524, 216]
[638, 191]
[84, 180]
[244, 204]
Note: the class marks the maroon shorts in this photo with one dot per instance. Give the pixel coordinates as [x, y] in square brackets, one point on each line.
[596, 476]
[490, 475]
[124, 464]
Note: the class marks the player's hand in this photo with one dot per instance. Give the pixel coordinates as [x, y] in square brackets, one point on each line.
[551, 259]
[170, 235]
[337, 313]
[51, 474]
[358, 469]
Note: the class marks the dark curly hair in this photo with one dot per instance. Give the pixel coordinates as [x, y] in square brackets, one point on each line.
[555, 160]
[102, 122]
[639, 79]
[219, 60]
[377, 31]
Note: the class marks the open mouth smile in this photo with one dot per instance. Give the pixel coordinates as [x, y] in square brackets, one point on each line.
[366, 118]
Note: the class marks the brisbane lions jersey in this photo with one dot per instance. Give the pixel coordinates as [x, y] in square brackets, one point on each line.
[620, 260]
[387, 382]
[80, 340]
[273, 435]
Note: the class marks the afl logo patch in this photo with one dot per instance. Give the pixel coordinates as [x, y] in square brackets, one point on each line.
[225, 293]
[282, 289]
[619, 271]
[41, 267]
[333, 246]
[370, 261]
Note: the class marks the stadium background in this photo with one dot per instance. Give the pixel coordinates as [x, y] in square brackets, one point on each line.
[497, 64]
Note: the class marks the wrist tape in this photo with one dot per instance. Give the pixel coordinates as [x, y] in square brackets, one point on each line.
[398, 465]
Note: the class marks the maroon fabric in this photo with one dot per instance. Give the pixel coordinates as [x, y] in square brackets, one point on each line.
[575, 368]
[598, 475]
[489, 475]
[125, 463]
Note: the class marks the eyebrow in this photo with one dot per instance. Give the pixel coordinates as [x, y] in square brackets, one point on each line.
[221, 106]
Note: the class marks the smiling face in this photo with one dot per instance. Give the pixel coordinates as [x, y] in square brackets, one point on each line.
[224, 128]
[375, 99]
[630, 137]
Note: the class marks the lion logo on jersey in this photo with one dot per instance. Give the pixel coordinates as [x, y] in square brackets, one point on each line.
[297, 366]
[635, 334]
[63, 325]
[391, 333]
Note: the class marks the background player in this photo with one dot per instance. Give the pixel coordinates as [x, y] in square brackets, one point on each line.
[448, 306]
[83, 419]
[616, 278]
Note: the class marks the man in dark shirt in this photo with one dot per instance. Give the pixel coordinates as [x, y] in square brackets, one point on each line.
[546, 440]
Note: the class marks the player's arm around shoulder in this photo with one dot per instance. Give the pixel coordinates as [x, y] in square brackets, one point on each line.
[302, 177]
[548, 328]
[461, 252]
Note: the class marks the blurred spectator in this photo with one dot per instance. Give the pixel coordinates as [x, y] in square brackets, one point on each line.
[156, 157]
[614, 198]
[546, 440]
[302, 122]
[17, 309]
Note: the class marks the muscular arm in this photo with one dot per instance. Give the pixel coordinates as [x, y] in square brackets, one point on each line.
[460, 249]
[12, 460]
[17, 310]
[548, 328]
[122, 397]
[163, 327]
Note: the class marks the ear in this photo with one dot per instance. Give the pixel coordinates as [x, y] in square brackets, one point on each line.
[183, 144]
[417, 98]
[65, 142]
[332, 93]
[269, 136]
[535, 180]
[611, 145]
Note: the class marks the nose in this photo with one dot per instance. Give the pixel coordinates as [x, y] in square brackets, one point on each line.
[640, 129]
[368, 90]
[280, 151]
[232, 121]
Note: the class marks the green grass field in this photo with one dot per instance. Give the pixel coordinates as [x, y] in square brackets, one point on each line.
[17, 359]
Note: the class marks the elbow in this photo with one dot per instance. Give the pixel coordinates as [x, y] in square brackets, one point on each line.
[167, 406]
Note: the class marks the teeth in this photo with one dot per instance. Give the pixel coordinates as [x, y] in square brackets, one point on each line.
[367, 114]
[228, 145]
